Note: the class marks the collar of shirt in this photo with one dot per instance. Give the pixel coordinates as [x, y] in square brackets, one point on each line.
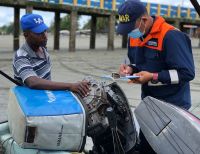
[30, 51]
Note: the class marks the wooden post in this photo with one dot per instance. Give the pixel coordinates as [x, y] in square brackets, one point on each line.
[57, 31]
[73, 27]
[159, 10]
[101, 4]
[113, 5]
[177, 23]
[16, 29]
[88, 3]
[148, 7]
[93, 32]
[179, 11]
[124, 41]
[75, 2]
[188, 13]
[111, 31]
[169, 11]
[60, 1]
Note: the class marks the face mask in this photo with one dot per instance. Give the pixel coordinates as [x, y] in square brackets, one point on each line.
[136, 33]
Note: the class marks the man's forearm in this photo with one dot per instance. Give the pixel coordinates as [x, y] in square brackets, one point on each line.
[38, 83]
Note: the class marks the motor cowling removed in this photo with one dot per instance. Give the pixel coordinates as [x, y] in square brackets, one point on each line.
[110, 122]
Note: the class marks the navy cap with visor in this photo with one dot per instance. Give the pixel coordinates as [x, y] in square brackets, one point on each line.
[128, 13]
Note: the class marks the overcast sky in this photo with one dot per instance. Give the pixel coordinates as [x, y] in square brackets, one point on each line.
[6, 13]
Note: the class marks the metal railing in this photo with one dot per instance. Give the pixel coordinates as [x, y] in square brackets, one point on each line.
[152, 8]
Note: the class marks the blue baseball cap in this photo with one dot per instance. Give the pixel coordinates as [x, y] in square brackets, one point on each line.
[128, 13]
[34, 23]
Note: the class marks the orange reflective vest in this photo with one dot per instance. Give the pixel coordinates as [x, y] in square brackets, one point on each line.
[158, 31]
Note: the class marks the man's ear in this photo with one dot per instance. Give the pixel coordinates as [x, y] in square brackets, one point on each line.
[25, 34]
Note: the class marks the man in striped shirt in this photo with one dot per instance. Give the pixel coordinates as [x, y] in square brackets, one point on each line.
[31, 63]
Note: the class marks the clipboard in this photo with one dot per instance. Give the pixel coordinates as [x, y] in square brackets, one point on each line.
[126, 78]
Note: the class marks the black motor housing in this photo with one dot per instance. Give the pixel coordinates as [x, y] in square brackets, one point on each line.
[110, 121]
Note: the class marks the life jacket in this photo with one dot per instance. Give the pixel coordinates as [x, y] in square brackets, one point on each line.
[158, 31]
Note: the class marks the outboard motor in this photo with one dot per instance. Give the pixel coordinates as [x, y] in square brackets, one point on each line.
[110, 122]
[49, 120]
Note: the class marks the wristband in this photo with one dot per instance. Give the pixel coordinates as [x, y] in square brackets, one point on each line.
[154, 78]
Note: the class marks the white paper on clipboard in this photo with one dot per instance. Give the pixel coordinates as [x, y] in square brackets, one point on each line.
[129, 77]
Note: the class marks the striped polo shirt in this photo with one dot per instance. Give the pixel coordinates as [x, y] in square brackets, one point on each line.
[26, 63]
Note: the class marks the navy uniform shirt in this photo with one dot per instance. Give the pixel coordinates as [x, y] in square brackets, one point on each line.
[175, 67]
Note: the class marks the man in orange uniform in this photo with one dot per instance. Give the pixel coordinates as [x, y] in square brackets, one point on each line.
[159, 53]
